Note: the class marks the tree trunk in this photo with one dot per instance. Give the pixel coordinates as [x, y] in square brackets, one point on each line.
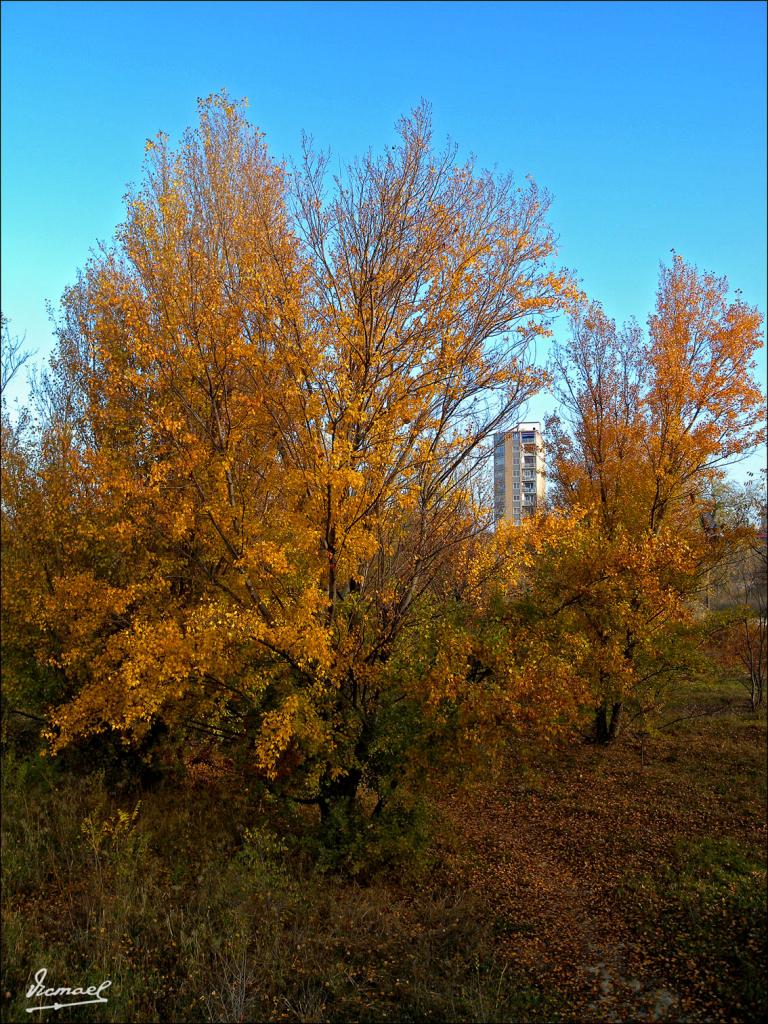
[601, 724]
[613, 728]
[608, 722]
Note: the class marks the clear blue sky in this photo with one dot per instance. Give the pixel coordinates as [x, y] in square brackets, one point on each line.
[646, 122]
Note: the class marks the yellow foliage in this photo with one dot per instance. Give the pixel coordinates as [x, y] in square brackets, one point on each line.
[256, 463]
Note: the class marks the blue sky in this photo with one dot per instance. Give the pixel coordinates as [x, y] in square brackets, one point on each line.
[646, 122]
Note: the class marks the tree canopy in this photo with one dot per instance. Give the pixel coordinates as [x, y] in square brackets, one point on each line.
[249, 504]
[256, 467]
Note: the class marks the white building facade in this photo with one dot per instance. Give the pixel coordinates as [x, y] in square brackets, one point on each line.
[519, 484]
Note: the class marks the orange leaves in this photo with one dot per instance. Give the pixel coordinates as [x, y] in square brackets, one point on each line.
[645, 428]
[651, 421]
[703, 397]
[262, 466]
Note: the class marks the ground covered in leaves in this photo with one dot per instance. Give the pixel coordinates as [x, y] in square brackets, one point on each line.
[634, 889]
[576, 884]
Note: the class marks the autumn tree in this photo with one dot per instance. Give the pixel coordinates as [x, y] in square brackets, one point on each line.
[13, 435]
[646, 426]
[13, 355]
[746, 648]
[256, 460]
[740, 587]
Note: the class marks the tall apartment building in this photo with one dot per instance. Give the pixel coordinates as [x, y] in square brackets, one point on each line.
[518, 472]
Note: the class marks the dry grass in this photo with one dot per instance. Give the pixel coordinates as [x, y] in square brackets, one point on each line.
[581, 883]
[195, 916]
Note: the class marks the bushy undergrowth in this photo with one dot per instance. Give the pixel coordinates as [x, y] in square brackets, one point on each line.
[201, 897]
[200, 903]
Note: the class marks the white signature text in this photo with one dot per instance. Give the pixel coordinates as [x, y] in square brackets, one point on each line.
[38, 989]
